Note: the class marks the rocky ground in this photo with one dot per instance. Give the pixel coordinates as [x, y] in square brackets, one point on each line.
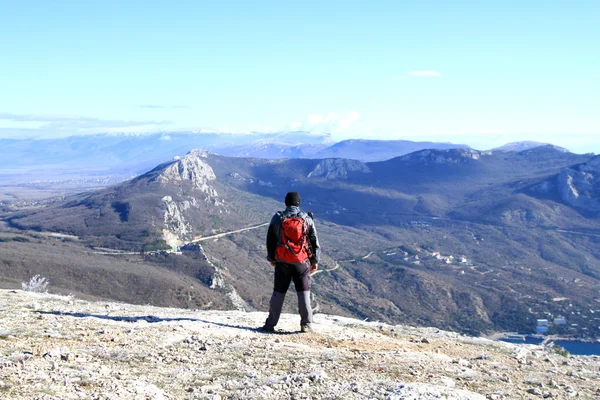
[57, 347]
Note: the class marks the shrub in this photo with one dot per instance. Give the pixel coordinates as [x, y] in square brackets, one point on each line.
[561, 351]
[20, 239]
[36, 284]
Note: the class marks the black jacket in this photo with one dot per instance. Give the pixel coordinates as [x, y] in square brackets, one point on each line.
[274, 233]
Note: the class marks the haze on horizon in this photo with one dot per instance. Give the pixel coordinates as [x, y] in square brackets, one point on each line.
[473, 73]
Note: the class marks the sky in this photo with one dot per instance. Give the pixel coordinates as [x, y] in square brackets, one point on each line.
[483, 73]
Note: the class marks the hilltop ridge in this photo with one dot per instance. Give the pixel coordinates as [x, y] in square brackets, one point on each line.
[57, 347]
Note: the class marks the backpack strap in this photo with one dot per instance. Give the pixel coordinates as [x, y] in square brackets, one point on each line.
[305, 242]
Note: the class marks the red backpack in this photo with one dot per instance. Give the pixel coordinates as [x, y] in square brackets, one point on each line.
[293, 247]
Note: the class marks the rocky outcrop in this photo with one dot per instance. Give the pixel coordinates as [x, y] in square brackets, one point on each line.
[192, 168]
[580, 187]
[58, 347]
[218, 281]
[451, 156]
[176, 229]
[336, 168]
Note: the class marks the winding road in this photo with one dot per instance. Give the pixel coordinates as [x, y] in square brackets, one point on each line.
[203, 238]
[337, 265]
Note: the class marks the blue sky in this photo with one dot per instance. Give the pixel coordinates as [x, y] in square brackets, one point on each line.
[477, 72]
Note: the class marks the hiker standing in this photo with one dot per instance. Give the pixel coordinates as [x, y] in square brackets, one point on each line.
[293, 250]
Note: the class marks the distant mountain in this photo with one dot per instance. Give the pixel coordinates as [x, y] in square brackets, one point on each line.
[379, 150]
[354, 149]
[454, 238]
[577, 186]
[123, 156]
[271, 149]
[157, 209]
[131, 154]
[525, 145]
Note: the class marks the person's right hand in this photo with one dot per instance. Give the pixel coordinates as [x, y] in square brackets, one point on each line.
[314, 267]
[272, 263]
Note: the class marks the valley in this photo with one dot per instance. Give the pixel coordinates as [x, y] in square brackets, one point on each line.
[474, 242]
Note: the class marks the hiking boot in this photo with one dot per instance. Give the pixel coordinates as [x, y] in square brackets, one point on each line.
[306, 328]
[268, 329]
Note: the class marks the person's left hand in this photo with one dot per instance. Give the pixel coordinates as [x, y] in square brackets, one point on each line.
[272, 263]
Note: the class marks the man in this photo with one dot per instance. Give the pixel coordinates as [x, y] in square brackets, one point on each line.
[293, 250]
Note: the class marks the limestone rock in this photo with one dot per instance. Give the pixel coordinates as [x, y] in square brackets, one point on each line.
[146, 352]
[192, 168]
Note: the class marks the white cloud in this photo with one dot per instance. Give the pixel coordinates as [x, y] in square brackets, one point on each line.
[39, 125]
[330, 122]
[157, 106]
[323, 119]
[425, 73]
[351, 118]
[492, 132]
[295, 125]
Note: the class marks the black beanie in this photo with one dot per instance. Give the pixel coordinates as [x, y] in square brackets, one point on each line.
[292, 199]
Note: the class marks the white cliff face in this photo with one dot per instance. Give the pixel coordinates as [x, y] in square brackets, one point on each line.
[191, 168]
[567, 189]
[219, 282]
[176, 229]
[337, 168]
[187, 204]
[580, 187]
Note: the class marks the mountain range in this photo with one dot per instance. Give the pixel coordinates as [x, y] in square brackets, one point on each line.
[525, 145]
[124, 156]
[468, 240]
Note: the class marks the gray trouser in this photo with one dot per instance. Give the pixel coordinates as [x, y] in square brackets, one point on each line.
[285, 273]
[276, 304]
